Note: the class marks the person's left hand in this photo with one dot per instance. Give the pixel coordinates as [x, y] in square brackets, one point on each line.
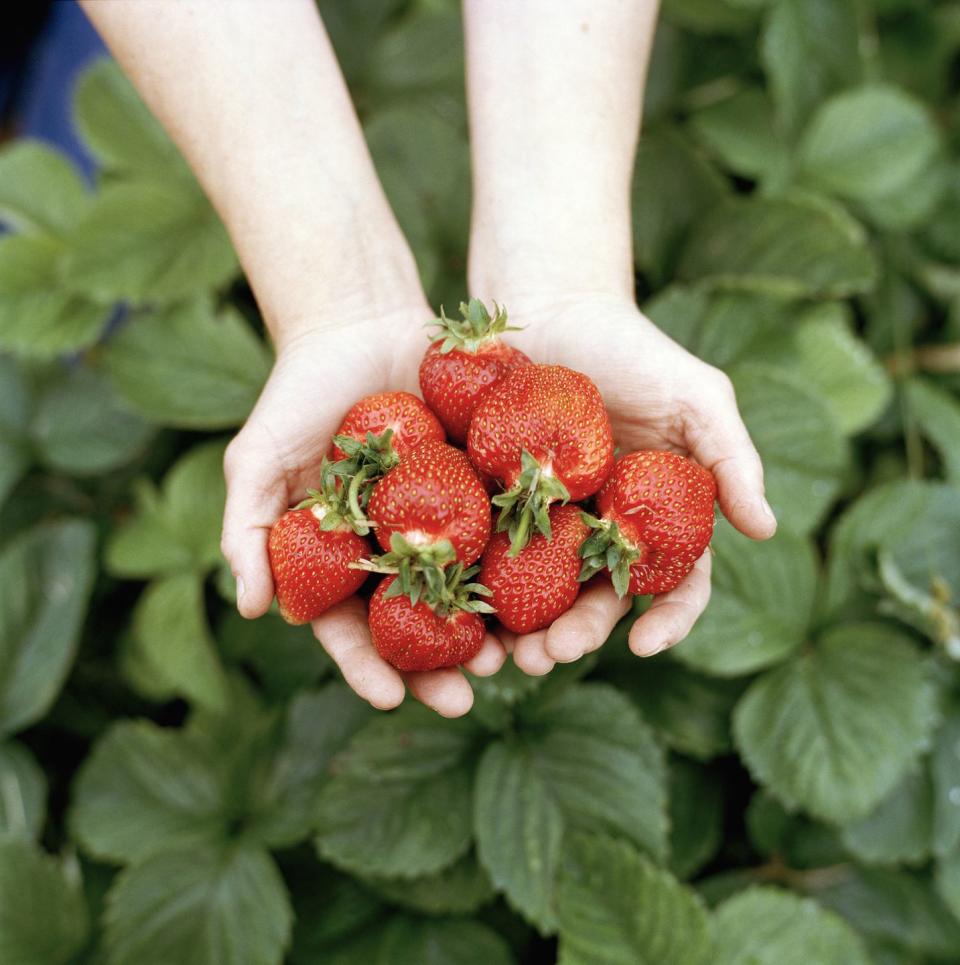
[659, 396]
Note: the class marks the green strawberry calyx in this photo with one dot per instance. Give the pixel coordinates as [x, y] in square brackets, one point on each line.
[332, 505]
[525, 506]
[607, 548]
[474, 330]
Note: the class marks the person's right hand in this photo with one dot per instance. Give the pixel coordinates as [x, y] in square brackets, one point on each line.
[318, 375]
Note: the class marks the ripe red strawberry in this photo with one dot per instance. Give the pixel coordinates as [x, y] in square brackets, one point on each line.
[467, 358]
[656, 519]
[529, 591]
[409, 420]
[545, 435]
[421, 636]
[432, 506]
[311, 564]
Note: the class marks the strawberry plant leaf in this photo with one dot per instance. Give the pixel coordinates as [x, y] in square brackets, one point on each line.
[460, 889]
[809, 49]
[804, 452]
[119, 128]
[761, 604]
[15, 404]
[148, 241]
[616, 908]
[145, 790]
[767, 926]
[797, 726]
[937, 413]
[519, 828]
[868, 144]
[793, 248]
[43, 915]
[398, 800]
[199, 906]
[696, 817]
[689, 711]
[23, 792]
[40, 190]
[39, 318]
[189, 367]
[948, 881]
[46, 575]
[893, 906]
[172, 653]
[178, 528]
[945, 772]
[80, 426]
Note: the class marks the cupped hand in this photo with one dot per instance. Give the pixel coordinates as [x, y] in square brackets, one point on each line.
[318, 375]
[659, 396]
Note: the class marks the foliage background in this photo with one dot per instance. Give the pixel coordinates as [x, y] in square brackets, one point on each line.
[177, 785]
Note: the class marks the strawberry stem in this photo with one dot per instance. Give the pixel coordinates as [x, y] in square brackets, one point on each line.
[525, 507]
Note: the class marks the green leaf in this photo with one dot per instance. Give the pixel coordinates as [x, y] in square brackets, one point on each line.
[23, 792]
[600, 762]
[673, 187]
[81, 427]
[45, 579]
[894, 906]
[708, 16]
[789, 247]
[868, 143]
[760, 607]
[189, 367]
[148, 241]
[398, 803]
[460, 889]
[802, 728]
[741, 132]
[39, 317]
[696, 817]
[145, 790]
[15, 407]
[900, 829]
[839, 367]
[40, 190]
[809, 49]
[199, 907]
[945, 771]
[689, 711]
[173, 653]
[767, 926]
[937, 413]
[43, 917]
[616, 908]
[119, 128]
[284, 790]
[519, 829]
[804, 452]
[178, 529]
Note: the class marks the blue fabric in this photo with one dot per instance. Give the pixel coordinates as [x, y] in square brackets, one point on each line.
[65, 46]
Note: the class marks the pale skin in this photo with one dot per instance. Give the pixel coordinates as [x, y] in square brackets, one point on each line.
[252, 94]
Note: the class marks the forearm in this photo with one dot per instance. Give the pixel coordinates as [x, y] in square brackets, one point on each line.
[555, 93]
[253, 96]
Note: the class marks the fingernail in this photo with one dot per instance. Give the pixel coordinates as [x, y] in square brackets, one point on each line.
[240, 588]
[766, 510]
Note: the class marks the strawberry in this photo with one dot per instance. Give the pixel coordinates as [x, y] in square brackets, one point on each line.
[655, 521]
[408, 419]
[545, 436]
[467, 358]
[531, 590]
[423, 636]
[312, 549]
[431, 507]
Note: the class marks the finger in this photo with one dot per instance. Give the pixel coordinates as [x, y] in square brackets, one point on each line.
[719, 440]
[254, 502]
[672, 615]
[587, 624]
[445, 691]
[344, 634]
[508, 638]
[489, 659]
[530, 655]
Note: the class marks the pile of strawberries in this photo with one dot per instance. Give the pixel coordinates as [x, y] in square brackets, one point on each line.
[537, 442]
